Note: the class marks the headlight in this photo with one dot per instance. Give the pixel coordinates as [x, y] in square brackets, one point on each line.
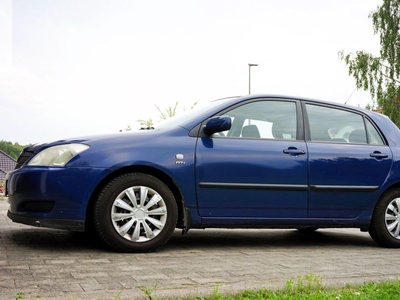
[57, 156]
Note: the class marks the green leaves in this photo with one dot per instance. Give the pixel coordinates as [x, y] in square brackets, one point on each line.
[380, 75]
[165, 113]
[14, 150]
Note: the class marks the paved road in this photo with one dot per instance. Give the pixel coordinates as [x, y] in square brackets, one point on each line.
[56, 264]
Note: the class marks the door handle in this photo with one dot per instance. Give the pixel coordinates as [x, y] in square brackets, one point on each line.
[293, 151]
[378, 155]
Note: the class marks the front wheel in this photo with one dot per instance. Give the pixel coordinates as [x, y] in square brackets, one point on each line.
[135, 212]
[385, 223]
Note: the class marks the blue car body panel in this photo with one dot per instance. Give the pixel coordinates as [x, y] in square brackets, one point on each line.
[68, 188]
[344, 179]
[250, 186]
[223, 182]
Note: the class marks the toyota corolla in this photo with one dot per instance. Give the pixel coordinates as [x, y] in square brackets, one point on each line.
[258, 161]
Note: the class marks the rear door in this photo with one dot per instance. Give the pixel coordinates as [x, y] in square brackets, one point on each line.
[348, 162]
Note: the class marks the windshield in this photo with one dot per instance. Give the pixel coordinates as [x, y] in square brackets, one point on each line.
[200, 108]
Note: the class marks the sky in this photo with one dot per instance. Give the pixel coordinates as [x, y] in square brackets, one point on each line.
[72, 68]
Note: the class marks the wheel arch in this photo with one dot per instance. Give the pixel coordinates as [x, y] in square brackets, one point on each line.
[395, 185]
[139, 169]
[384, 226]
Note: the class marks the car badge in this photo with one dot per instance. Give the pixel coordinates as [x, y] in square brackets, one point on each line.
[179, 158]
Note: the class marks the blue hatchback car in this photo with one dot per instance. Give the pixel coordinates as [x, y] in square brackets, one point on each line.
[258, 161]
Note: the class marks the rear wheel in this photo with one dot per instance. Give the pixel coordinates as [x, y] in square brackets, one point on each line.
[385, 223]
[135, 212]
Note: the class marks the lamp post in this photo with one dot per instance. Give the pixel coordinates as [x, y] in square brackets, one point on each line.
[251, 65]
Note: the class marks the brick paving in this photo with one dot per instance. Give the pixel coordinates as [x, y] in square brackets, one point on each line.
[55, 264]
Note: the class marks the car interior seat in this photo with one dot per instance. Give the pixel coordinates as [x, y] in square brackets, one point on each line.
[358, 136]
[250, 131]
[284, 130]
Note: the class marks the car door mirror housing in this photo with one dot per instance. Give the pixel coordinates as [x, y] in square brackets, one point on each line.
[217, 124]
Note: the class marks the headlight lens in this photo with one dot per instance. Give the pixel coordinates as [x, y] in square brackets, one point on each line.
[57, 156]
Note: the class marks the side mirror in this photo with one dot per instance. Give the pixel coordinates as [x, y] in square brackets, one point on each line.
[216, 124]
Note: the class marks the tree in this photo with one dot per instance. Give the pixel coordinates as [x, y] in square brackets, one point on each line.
[168, 112]
[146, 123]
[14, 150]
[380, 74]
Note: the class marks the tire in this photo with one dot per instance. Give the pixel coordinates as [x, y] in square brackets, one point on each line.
[135, 212]
[385, 222]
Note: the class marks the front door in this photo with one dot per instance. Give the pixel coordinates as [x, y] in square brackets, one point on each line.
[257, 169]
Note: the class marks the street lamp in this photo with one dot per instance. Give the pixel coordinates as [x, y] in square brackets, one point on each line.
[251, 65]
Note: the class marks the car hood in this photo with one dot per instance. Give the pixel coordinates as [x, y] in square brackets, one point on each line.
[116, 138]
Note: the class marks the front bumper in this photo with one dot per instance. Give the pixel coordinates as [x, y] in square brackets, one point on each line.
[72, 225]
[52, 197]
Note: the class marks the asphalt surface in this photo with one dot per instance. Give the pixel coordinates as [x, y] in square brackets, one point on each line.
[55, 264]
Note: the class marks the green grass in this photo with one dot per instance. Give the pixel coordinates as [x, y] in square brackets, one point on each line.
[307, 287]
[310, 287]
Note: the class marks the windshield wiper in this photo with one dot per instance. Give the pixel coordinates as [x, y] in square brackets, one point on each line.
[147, 128]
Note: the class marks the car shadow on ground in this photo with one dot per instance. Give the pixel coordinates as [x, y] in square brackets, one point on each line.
[197, 239]
[270, 238]
[55, 240]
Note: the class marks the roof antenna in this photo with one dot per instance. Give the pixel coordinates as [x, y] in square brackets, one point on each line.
[350, 95]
